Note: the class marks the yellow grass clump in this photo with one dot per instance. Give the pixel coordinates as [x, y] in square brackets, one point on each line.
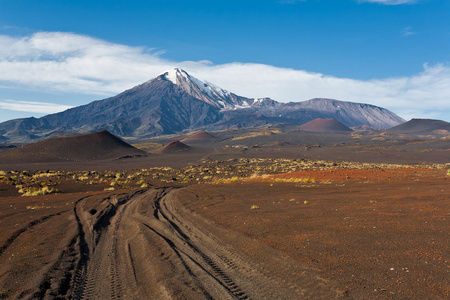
[37, 192]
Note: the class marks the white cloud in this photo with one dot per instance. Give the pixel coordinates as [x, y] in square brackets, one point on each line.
[35, 107]
[75, 63]
[391, 2]
[71, 63]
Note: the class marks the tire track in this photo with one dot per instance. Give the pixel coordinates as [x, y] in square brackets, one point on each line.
[78, 281]
[56, 282]
[215, 272]
[272, 277]
[144, 243]
[101, 270]
[179, 253]
[30, 225]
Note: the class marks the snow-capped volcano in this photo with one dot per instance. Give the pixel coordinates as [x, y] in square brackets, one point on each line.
[175, 101]
[205, 90]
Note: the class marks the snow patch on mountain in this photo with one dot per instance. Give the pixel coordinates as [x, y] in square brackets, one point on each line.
[205, 90]
[171, 75]
[177, 76]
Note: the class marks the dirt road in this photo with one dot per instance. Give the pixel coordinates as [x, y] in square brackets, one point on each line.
[146, 245]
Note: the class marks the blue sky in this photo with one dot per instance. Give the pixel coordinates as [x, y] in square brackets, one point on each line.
[391, 53]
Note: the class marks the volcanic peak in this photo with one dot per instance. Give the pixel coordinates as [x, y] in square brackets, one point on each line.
[324, 125]
[198, 137]
[173, 147]
[204, 90]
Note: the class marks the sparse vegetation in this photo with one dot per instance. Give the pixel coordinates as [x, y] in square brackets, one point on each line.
[232, 171]
[37, 192]
[147, 145]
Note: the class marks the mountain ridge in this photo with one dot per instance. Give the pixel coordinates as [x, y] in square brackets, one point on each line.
[176, 101]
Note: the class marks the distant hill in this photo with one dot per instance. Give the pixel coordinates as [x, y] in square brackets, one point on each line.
[173, 147]
[367, 129]
[422, 127]
[94, 146]
[324, 125]
[176, 101]
[62, 135]
[198, 137]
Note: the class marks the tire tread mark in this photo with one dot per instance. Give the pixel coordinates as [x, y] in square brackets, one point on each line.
[221, 277]
[86, 276]
[183, 262]
[79, 278]
[33, 223]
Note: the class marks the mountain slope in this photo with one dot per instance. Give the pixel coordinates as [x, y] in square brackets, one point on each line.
[173, 147]
[198, 137]
[325, 125]
[349, 113]
[99, 145]
[155, 107]
[206, 91]
[421, 126]
[175, 101]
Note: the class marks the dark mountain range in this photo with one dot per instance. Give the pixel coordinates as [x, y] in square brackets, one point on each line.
[422, 127]
[176, 101]
[98, 145]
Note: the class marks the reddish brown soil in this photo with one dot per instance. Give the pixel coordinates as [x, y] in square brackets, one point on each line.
[377, 233]
[364, 234]
[382, 234]
[364, 176]
[140, 244]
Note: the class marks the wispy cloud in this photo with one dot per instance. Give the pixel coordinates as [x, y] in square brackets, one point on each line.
[75, 63]
[34, 107]
[391, 2]
[71, 63]
[408, 31]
